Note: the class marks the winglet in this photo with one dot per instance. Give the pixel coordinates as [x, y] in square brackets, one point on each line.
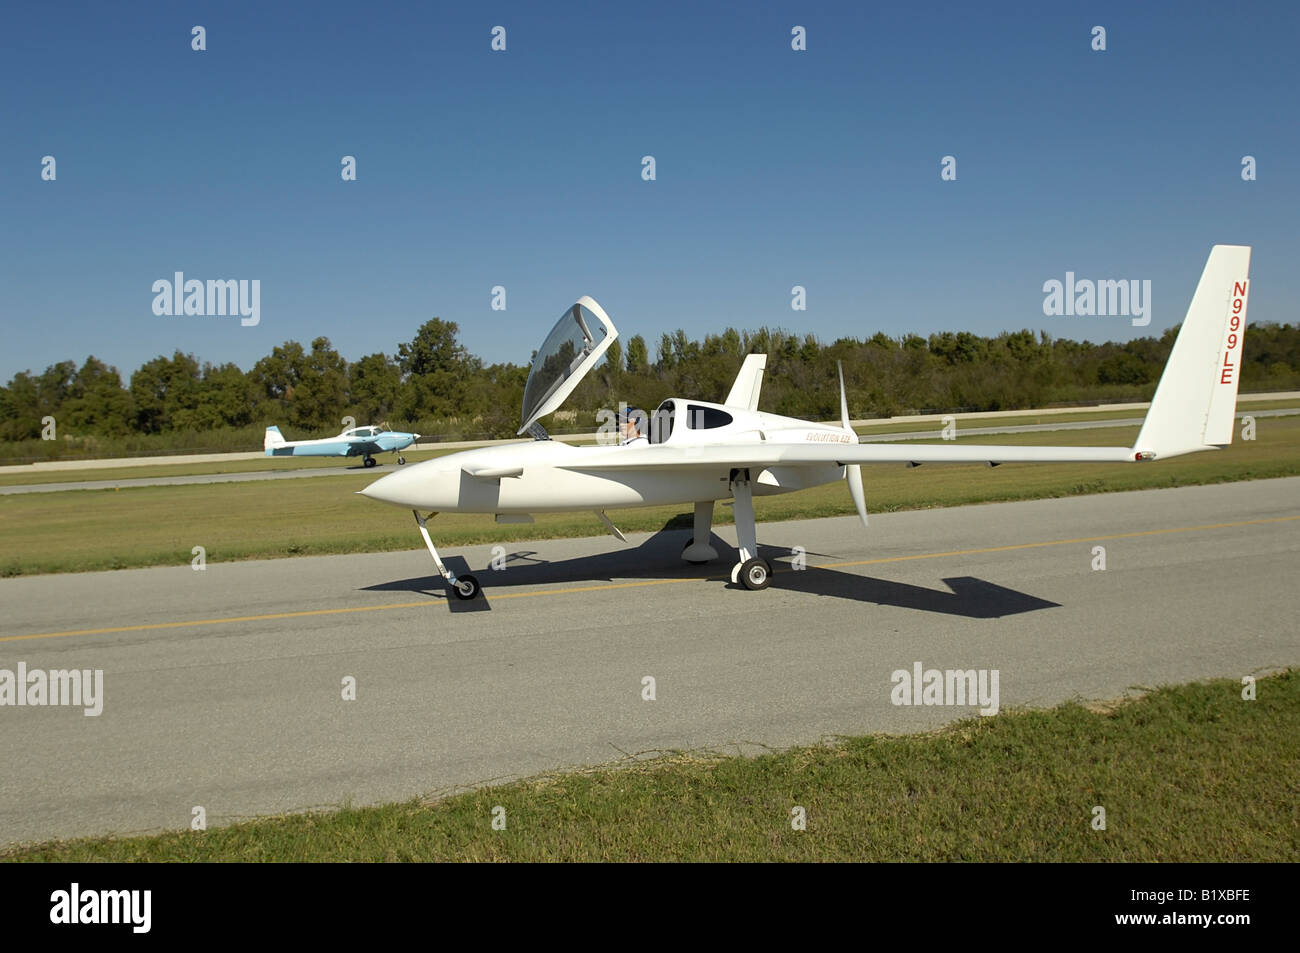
[744, 392]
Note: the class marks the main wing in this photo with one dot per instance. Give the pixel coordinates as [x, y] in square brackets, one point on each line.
[362, 446]
[727, 456]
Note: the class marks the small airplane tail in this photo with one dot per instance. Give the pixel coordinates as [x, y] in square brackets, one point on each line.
[273, 438]
[744, 392]
[1196, 399]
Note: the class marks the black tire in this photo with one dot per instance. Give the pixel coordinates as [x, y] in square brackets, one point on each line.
[401, 461]
[756, 574]
[466, 587]
[370, 461]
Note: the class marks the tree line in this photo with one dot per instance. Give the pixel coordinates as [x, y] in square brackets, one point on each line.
[433, 385]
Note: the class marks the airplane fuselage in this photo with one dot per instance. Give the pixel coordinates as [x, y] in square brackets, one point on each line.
[543, 476]
[342, 447]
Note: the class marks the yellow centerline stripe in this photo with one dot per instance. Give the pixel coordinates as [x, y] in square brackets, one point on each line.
[306, 613]
[1061, 542]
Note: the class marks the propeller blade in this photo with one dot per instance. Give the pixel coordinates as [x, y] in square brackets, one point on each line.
[844, 402]
[853, 473]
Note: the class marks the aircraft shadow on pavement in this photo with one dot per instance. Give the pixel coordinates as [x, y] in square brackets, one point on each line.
[969, 597]
[659, 558]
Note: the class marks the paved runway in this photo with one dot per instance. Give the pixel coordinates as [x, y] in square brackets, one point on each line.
[294, 474]
[320, 471]
[222, 688]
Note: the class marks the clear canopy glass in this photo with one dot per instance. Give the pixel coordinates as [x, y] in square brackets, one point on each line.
[575, 336]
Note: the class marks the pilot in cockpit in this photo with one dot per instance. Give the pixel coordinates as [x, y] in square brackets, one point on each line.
[631, 425]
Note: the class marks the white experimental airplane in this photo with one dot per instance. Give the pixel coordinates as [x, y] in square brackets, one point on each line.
[699, 452]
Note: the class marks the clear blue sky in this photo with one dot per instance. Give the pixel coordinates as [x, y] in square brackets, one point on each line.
[522, 168]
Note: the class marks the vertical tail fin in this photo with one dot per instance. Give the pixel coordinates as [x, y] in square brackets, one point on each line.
[1196, 399]
[272, 439]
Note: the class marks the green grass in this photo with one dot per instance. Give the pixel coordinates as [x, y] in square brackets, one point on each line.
[151, 526]
[1185, 773]
[1034, 419]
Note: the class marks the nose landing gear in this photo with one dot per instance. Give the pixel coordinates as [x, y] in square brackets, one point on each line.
[464, 587]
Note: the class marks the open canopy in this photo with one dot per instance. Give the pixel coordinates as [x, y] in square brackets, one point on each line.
[574, 346]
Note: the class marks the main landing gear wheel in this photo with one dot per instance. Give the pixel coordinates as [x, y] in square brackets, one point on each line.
[370, 461]
[755, 574]
[466, 587]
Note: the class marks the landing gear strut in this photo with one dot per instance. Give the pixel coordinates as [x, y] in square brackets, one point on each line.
[463, 587]
[752, 572]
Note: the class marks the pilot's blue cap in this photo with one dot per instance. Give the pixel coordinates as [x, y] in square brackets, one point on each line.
[631, 413]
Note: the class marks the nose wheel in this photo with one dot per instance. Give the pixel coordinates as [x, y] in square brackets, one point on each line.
[466, 587]
[401, 461]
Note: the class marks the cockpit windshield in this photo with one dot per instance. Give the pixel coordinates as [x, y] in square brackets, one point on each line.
[575, 336]
[661, 424]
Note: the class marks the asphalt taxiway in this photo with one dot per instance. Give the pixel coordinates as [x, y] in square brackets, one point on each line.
[224, 688]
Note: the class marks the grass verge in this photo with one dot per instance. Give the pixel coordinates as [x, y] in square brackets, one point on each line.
[88, 530]
[1185, 773]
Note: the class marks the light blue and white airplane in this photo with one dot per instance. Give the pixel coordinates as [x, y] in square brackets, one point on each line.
[357, 442]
